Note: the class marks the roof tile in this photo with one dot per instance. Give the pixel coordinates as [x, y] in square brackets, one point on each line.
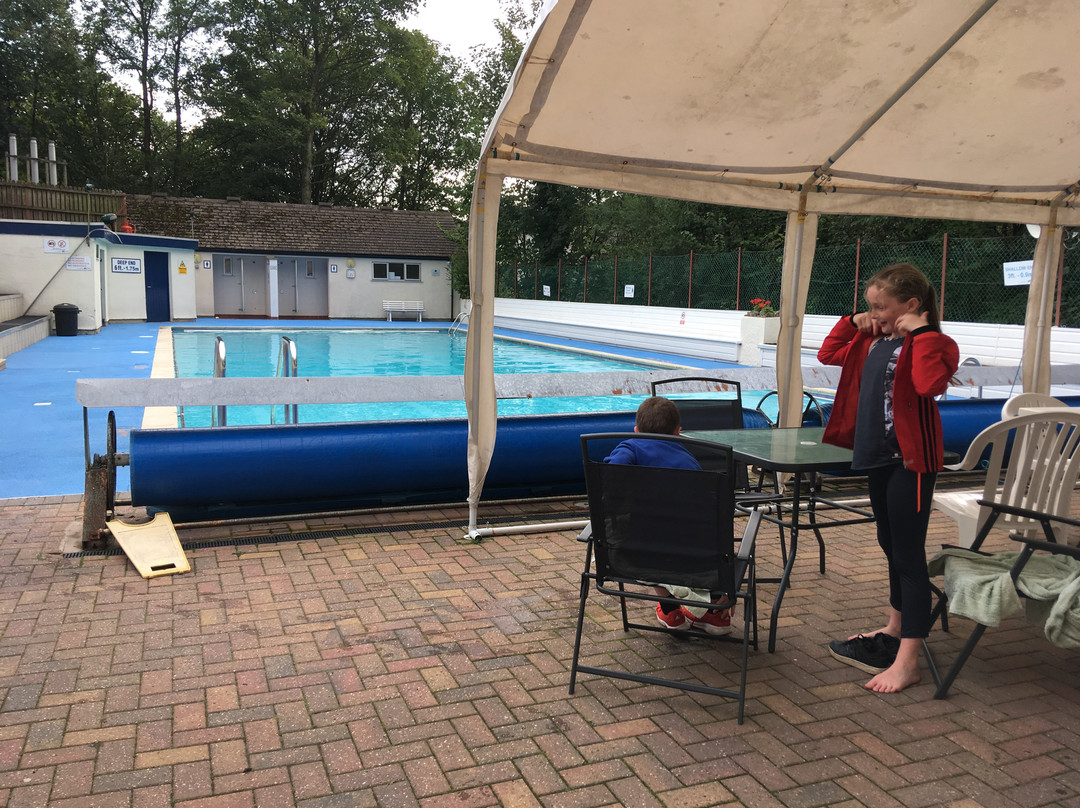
[273, 227]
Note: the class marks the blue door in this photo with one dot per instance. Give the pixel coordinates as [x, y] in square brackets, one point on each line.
[157, 286]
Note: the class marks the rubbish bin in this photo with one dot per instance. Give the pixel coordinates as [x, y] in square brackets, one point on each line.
[67, 319]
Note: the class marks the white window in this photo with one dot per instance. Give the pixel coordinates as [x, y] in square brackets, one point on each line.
[395, 272]
[228, 267]
[311, 269]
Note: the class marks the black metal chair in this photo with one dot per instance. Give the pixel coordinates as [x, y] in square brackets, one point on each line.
[671, 526]
[814, 412]
[704, 414]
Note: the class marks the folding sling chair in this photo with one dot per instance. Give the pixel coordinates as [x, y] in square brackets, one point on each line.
[671, 527]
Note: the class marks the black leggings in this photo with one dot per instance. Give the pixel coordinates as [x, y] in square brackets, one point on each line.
[901, 501]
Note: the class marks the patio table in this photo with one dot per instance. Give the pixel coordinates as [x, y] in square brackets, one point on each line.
[797, 451]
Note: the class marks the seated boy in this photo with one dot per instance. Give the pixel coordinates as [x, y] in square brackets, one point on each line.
[660, 416]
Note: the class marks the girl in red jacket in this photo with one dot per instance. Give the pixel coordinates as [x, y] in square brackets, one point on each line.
[895, 361]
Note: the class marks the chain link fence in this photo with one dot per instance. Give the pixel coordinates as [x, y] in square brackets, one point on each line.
[967, 273]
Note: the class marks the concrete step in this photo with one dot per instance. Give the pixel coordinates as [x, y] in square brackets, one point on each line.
[11, 306]
[18, 332]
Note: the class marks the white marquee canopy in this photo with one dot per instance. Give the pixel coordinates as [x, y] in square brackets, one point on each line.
[962, 109]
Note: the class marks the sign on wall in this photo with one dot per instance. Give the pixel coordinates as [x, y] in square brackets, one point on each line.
[130, 266]
[79, 263]
[1018, 273]
[56, 245]
[628, 290]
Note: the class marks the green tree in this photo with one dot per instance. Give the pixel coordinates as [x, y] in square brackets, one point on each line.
[399, 141]
[132, 45]
[835, 230]
[483, 87]
[52, 88]
[181, 23]
[38, 44]
[424, 152]
[290, 68]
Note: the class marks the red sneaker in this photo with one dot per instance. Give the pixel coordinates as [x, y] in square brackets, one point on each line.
[675, 619]
[713, 622]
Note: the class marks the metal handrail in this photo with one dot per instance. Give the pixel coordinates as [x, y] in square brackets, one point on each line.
[286, 367]
[971, 361]
[458, 322]
[217, 414]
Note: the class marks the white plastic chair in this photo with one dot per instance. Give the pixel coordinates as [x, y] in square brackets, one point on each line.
[1011, 408]
[1042, 470]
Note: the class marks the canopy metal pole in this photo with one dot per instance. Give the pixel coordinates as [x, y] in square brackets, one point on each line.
[510, 530]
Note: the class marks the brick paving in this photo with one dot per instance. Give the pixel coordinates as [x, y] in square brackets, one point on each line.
[391, 663]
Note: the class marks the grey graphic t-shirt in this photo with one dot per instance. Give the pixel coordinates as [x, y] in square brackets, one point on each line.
[875, 433]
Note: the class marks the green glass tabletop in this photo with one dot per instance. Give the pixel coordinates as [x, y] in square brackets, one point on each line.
[791, 449]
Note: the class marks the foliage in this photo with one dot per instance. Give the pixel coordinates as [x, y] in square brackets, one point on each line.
[307, 72]
[183, 22]
[52, 88]
[421, 139]
[129, 43]
[332, 101]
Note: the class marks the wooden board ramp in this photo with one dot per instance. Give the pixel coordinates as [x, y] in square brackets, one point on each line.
[153, 547]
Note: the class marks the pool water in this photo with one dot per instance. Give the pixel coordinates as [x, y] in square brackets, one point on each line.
[253, 352]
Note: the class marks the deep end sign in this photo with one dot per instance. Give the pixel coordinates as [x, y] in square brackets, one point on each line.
[129, 266]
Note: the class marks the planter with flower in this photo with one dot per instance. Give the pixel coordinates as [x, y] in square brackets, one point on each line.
[760, 326]
[759, 307]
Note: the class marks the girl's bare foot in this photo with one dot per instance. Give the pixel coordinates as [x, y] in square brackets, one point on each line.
[904, 671]
[894, 679]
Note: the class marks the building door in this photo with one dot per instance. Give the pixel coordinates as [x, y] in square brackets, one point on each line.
[303, 287]
[240, 286]
[156, 278]
[253, 281]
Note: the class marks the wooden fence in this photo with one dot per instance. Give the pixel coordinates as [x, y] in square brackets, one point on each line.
[51, 203]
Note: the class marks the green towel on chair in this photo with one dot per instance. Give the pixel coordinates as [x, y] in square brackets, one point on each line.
[1063, 622]
[980, 589]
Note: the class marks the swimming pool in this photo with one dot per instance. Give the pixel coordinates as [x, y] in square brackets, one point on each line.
[253, 352]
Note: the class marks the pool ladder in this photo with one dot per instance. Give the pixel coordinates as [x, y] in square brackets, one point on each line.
[459, 321]
[286, 367]
[217, 414]
[971, 361]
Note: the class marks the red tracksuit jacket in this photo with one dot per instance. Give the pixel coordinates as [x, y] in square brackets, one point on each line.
[928, 359]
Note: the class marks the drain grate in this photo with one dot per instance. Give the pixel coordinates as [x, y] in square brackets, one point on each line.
[337, 533]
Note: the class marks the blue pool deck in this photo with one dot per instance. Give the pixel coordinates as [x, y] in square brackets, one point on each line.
[41, 448]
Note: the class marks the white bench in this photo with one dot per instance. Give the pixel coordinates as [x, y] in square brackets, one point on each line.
[390, 306]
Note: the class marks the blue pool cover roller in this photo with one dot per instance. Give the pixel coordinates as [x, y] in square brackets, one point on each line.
[310, 466]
